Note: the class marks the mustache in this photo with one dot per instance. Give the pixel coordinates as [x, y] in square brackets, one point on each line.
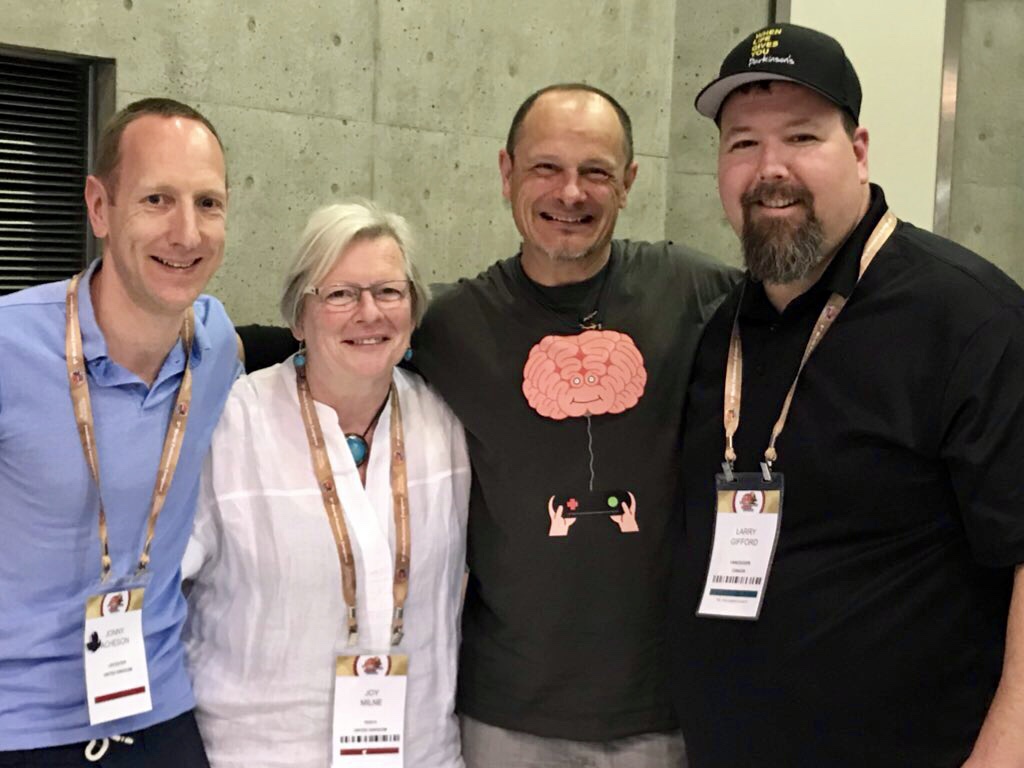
[767, 190]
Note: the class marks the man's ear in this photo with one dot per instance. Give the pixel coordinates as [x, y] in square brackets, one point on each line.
[627, 181]
[505, 165]
[860, 151]
[98, 203]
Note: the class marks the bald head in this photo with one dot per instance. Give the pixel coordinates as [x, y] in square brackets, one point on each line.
[587, 93]
[108, 149]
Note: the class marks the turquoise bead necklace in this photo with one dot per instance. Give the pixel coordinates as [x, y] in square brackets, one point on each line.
[357, 444]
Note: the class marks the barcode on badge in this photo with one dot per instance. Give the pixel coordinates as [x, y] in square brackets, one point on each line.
[382, 738]
[736, 580]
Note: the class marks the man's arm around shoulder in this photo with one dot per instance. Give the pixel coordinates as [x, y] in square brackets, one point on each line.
[711, 278]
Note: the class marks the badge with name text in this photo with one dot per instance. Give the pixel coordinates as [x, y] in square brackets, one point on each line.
[369, 711]
[747, 521]
[116, 675]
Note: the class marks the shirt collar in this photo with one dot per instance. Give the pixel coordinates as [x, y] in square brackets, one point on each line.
[842, 274]
[202, 341]
[570, 298]
[839, 277]
[94, 345]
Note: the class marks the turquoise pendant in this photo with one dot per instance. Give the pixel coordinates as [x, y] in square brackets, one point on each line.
[358, 447]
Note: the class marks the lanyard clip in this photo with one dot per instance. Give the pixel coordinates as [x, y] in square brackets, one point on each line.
[590, 322]
[727, 471]
[353, 627]
[398, 626]
[766, 471]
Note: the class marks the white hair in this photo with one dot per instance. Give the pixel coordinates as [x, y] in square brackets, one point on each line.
[332, 229]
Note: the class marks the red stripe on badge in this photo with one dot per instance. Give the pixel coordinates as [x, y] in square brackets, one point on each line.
[120, 694]
[370, 751]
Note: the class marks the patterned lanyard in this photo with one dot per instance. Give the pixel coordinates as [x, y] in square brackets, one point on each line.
[829, 313]
[336, 513]
[78, 382]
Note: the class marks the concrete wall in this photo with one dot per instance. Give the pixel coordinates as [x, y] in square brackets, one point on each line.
[987, 195]
[703, 36]
[408, 102]
[403, 101]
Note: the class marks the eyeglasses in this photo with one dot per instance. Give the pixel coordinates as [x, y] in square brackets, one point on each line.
[347, 295]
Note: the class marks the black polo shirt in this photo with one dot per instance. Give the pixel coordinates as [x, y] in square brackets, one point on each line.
[881, 634]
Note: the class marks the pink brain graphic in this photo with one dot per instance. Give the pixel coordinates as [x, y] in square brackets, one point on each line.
[591, 374]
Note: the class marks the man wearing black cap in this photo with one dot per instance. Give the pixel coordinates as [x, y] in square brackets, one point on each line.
[848, 591]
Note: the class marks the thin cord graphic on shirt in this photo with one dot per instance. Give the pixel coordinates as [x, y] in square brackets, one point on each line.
[590, 447]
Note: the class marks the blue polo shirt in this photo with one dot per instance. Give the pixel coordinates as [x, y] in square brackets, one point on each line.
[49, 540]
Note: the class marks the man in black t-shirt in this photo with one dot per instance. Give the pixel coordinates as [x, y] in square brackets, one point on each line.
[849, 584]
[567, 364]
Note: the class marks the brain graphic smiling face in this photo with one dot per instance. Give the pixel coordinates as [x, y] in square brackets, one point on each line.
[593, 373]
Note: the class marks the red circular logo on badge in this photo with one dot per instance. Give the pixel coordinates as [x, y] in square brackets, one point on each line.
[115, 602]
[372, 665]
[750, 502]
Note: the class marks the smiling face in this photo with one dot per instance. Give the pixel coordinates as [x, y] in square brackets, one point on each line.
[793, 183]
[354, 346]
[163, 228]
[588, 391]
[566, 182]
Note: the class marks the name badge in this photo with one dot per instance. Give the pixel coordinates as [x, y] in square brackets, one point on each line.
[747, 524]
[369, 711]
[116, 675]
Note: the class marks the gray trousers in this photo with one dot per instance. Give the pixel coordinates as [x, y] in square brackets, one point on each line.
[485, 746]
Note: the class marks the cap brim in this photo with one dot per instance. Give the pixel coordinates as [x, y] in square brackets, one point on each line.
[709, 100]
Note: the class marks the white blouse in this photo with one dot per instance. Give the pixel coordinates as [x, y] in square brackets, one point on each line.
[266, 608]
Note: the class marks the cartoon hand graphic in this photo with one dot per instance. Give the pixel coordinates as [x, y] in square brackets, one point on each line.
[627, 520]
[559, 525]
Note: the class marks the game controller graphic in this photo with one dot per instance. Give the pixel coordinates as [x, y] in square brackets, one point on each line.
[617, 506]
[592, 503]
[586, 375]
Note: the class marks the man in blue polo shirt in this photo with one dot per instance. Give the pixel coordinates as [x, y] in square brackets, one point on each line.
[109, 390]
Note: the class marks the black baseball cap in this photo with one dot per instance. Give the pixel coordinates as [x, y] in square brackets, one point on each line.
[786, 52]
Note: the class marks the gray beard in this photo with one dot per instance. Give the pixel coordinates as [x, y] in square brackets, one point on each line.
[775, 251]
[564, 255]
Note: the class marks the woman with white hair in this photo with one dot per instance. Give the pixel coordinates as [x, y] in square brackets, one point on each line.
[329, 545]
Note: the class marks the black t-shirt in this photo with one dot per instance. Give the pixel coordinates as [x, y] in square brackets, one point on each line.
[563, 636]
[881, 633]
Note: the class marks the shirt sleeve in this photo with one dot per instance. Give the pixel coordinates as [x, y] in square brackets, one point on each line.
[6, 356]
[461, 473]
[202, 544]
[230, 437]
[983, 440]
[710, 279]
[433, 343]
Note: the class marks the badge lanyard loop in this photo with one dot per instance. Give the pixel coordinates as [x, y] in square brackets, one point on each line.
[336, 513]
[733, 388]
[79, 386]
[400, 504]
[734, 366]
